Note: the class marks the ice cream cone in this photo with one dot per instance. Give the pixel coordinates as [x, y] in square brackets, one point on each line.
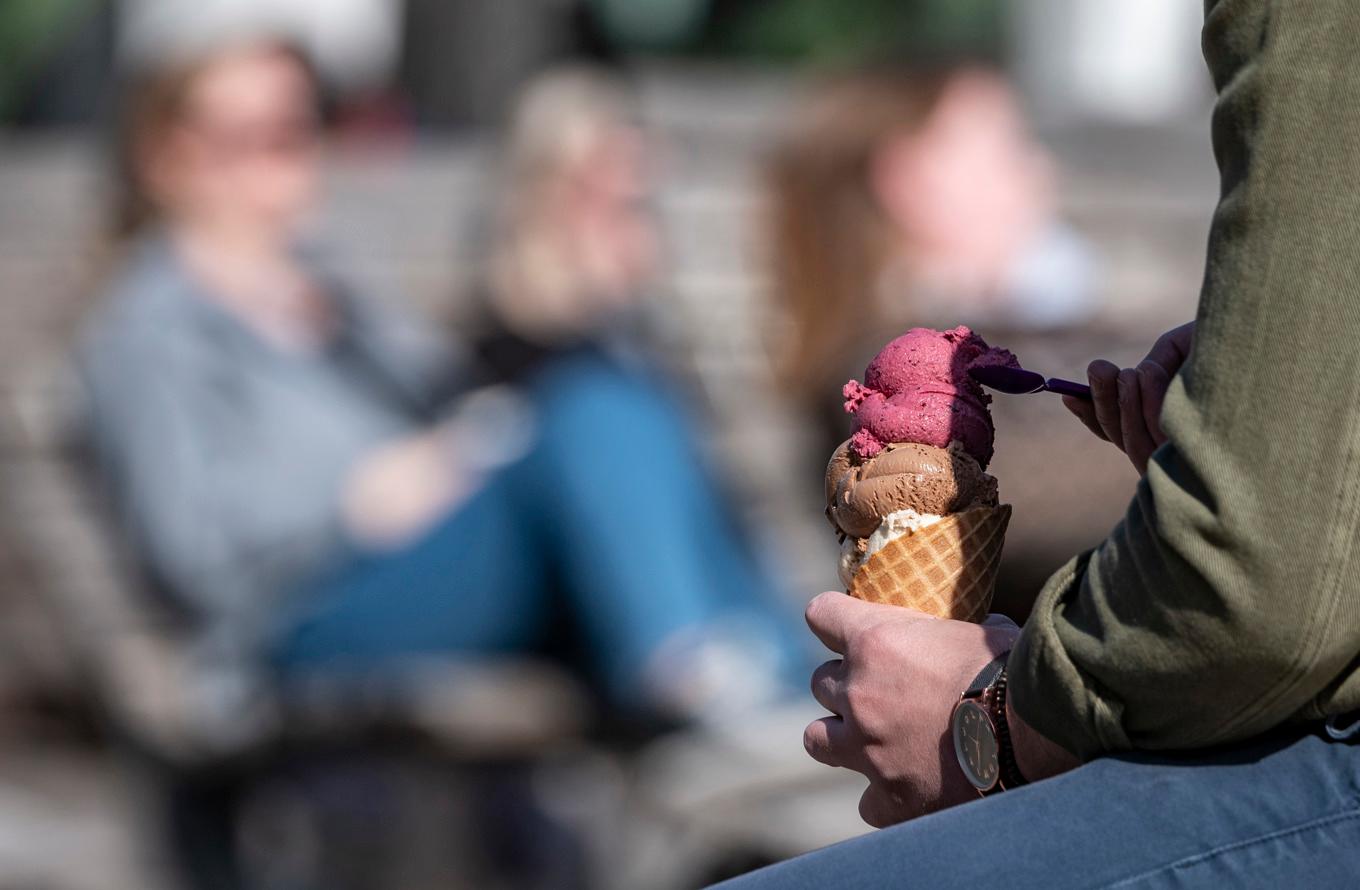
[947, 569]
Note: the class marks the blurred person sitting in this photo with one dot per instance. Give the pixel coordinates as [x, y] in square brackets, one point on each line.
[296, 477]
[572, 250]
[909, 196]
[573, 245]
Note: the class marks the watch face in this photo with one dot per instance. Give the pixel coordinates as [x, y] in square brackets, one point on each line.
[975, 745]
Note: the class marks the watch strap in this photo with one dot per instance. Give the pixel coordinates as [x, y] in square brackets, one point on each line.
[987, 677]
[1010, 768]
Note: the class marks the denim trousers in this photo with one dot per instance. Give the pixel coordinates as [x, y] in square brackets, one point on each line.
[1278, 812]
[610, 525]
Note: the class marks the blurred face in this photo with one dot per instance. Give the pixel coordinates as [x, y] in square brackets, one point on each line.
[243, 154]
[606, 203]
[972, 183]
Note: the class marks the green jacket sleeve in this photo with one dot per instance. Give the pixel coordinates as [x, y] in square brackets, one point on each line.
[1227, 601]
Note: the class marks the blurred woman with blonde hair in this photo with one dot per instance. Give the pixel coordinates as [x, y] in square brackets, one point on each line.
[573, 240]
[574, 250]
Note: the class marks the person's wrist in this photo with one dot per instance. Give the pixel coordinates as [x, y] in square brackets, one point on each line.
[1036, 756]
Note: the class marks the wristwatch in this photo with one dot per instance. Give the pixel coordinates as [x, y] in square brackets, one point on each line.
[982, 739]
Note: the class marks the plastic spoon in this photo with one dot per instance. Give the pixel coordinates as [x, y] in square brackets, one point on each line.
[1018, 381]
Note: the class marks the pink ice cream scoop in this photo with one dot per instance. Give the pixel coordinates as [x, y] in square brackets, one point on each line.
[918, 390]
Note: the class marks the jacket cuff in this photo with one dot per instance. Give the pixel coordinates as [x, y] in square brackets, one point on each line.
[1047, 689]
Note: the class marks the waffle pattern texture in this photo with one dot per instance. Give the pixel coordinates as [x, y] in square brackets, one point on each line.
[947, 569]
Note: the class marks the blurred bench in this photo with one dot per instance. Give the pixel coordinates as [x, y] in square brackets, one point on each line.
[132, 658]
[204, 744]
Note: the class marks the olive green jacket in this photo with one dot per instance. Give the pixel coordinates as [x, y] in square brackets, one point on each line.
[1227, 602]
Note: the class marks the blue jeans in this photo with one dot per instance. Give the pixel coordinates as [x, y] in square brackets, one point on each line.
[1282, 812]
[610, 521]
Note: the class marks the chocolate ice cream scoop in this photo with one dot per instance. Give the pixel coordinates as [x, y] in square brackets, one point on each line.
[900, 477]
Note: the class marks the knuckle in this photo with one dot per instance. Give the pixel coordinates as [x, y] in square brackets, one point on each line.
[823, 677]
[874, 644]
[1102, 372]
[870, 810]
[817, 743]
[857, 699]
[878, 807]
[816, 607]
[812, 739]
[1126, 388]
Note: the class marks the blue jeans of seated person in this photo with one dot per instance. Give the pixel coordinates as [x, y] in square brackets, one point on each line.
[1281, 812]
[611, 508]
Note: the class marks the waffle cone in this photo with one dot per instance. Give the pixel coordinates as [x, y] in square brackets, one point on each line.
[947, 569]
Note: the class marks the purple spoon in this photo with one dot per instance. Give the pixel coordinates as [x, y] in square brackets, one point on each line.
[1019, 382]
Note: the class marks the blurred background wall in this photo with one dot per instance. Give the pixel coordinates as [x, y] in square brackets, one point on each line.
[1115, 91]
